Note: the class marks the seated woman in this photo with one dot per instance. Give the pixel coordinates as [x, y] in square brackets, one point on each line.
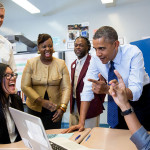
[46, 83]
[8, 130]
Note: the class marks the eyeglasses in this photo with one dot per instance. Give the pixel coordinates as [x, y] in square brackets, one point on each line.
[9, 76]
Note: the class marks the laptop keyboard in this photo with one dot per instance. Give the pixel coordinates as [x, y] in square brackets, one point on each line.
[56, 147]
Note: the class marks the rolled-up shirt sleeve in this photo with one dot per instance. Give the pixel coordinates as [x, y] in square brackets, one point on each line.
[137, 75]
[141, 139]
[92, 73]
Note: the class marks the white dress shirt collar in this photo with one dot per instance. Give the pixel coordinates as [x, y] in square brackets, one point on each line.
[117, 59]
[82, 60]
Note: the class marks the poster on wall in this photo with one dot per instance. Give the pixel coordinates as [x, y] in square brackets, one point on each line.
[77, 30]
[74, 31]
[85, 31]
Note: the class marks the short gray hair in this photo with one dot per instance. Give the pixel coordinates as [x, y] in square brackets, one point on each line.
[107, 32]
[1, 6]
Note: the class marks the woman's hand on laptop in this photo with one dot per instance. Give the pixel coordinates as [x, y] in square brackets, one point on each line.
[79, 127]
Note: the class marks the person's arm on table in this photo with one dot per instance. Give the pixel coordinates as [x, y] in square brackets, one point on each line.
[83, 111]
[118, 91]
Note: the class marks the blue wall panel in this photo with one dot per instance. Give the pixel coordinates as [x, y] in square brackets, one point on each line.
[144, 46]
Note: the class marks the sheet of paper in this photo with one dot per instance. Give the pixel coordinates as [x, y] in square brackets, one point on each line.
[35, 133]
[66, 135]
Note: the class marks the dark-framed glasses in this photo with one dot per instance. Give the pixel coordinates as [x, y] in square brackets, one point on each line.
[10, 75]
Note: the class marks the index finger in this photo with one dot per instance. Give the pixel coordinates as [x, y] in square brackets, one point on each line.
[118, 76]
[64, 131]
[73, 128]
[112, 91]
[93, 81]
[68, 130]
[55, 114]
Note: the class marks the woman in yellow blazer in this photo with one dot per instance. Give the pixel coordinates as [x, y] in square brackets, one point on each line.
[46, 83]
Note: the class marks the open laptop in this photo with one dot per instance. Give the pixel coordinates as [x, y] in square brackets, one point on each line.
[34, 136]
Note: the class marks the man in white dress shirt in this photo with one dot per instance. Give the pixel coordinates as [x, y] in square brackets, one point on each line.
[6, 52]
[128, 61]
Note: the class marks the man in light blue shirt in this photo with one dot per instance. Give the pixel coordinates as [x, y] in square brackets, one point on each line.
[128, 61]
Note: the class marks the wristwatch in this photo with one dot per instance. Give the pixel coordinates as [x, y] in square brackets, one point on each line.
[127, 112]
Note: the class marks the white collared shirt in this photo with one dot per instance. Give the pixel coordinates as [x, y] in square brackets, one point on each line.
[79, 65]
[10, 124]
[6, 53]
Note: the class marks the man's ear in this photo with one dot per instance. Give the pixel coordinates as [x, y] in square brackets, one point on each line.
[117, 44]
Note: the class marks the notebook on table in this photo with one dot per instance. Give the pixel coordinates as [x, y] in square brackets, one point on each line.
[34, 136]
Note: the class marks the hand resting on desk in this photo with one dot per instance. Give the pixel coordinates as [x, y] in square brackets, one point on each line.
[79, 127]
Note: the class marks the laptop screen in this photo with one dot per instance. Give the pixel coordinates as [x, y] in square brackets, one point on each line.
[31, 130]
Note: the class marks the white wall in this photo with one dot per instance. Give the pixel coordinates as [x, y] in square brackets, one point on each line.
[131, 20]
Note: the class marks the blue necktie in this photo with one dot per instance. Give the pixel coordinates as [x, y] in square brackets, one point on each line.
[112, 116]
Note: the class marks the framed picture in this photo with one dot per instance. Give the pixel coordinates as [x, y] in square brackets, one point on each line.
[70, 45]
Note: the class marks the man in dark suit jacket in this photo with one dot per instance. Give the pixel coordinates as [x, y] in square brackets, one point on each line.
[78, 71]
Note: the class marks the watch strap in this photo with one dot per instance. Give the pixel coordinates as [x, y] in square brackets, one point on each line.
[127, 112]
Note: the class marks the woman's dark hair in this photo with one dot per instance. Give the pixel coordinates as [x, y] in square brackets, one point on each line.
[87, 41]
[3, 68]
[43, 37]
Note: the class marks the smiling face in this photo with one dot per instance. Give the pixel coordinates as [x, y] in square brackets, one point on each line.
[2, 14]
[9, 84]
[46, 50]
[105, 50]
[80, 47]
